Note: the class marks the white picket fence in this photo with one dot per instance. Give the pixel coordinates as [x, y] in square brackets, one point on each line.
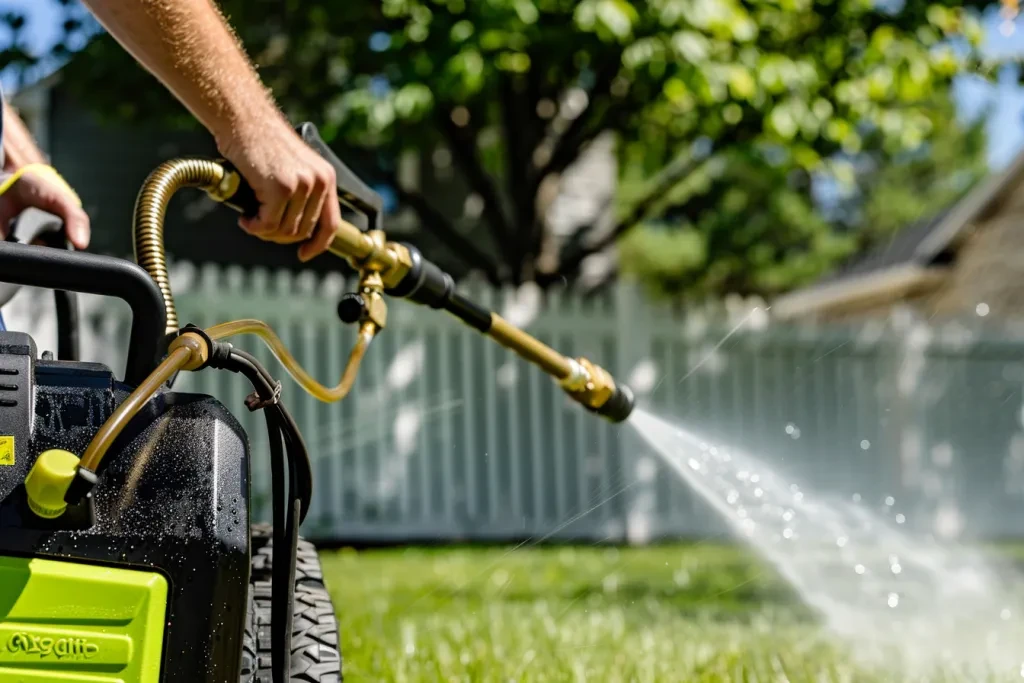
[448, 436]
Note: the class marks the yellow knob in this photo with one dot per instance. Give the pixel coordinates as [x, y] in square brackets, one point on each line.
[48, 481]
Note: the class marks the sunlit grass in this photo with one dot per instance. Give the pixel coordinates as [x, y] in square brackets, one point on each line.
[668, 613]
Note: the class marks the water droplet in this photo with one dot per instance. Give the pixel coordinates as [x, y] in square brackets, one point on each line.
[865, 444]
[859, 568]
[713, 451]
[982, 310]
[856, 498]
[894, 599]
[790, 428]
[841, 541]
[896, 568]
[694, 464]
[1005, 614]
[788, 533]
[732, 497]
[900, 518]
[890, 501]
[787, 515]
[797, 497]
[755, 478]
[742, 475]
[758, 492]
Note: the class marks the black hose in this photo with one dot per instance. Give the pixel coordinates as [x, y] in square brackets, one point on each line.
[286, 447]
[280, 600]
[292, 436]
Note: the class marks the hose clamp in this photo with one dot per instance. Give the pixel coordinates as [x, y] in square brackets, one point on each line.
[578, 377]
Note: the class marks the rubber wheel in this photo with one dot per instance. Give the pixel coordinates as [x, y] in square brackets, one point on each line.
[316, 655]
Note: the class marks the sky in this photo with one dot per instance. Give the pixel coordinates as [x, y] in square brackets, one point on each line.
[1004, 101]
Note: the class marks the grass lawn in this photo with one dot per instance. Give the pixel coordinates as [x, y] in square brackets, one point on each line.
[668, 613]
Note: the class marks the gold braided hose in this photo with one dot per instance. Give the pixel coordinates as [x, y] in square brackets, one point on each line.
[151, 210]
[148, 231]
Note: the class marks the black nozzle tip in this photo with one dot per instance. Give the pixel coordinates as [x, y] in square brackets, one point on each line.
[619, 407]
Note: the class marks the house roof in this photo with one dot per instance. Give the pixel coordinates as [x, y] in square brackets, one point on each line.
[910, 258]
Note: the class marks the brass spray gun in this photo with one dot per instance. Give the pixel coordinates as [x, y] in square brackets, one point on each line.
[384, 267]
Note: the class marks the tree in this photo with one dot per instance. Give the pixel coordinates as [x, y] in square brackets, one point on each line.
[748, 226]
[514, 90]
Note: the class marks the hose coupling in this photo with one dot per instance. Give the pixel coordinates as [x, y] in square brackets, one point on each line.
[597, 391]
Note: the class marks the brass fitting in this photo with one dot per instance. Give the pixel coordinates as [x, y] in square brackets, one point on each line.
[593, 387]
[370, 251]
[199, 350]
[372, 287]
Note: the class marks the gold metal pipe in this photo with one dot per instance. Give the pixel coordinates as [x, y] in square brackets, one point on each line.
[533, 350]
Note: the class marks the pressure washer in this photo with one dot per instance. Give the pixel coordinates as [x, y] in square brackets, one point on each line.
[127, 549]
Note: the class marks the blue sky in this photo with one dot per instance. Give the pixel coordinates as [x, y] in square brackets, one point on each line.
[1005, 99]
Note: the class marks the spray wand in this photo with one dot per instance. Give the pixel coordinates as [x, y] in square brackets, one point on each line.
[384, 267]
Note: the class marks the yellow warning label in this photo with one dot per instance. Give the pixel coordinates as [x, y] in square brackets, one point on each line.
[6, 451]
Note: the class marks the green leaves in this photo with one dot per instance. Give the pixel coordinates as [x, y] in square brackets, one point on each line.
[786, 92]
[611, 20]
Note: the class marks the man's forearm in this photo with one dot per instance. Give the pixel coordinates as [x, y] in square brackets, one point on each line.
[189, 47]
[19, 146]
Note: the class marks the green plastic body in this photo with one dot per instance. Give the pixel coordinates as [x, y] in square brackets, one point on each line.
[67, 622]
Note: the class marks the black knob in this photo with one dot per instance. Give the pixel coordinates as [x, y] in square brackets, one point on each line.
[350, 308]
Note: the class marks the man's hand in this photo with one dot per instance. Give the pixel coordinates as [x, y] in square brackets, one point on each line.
[36, 189]
[295, 186]
[39, 191]
[188, 46]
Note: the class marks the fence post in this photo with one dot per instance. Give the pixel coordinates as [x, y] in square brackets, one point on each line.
[633, 319]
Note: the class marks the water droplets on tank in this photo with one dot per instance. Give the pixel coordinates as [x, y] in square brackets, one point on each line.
[1005, 614]
[856, 498]
[754, 478]
[841, 541]
[758, 492]
[901, 518]
[694, 464]
[733, 496]
[894, 599]
[865, 444]
[890, 501]
[787, 533]
[896, 568]
[859, 568]
[787, 516]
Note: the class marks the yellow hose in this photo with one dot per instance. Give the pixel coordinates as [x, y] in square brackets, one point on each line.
[277, 347]
[175, 361]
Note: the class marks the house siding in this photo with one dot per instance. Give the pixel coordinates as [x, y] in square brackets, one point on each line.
[989, 266]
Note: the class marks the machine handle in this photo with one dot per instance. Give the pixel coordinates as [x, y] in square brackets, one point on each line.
[351, 189]
[49, 231]
[74, 271]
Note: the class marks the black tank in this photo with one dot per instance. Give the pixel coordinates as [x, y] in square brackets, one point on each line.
[173, 496]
